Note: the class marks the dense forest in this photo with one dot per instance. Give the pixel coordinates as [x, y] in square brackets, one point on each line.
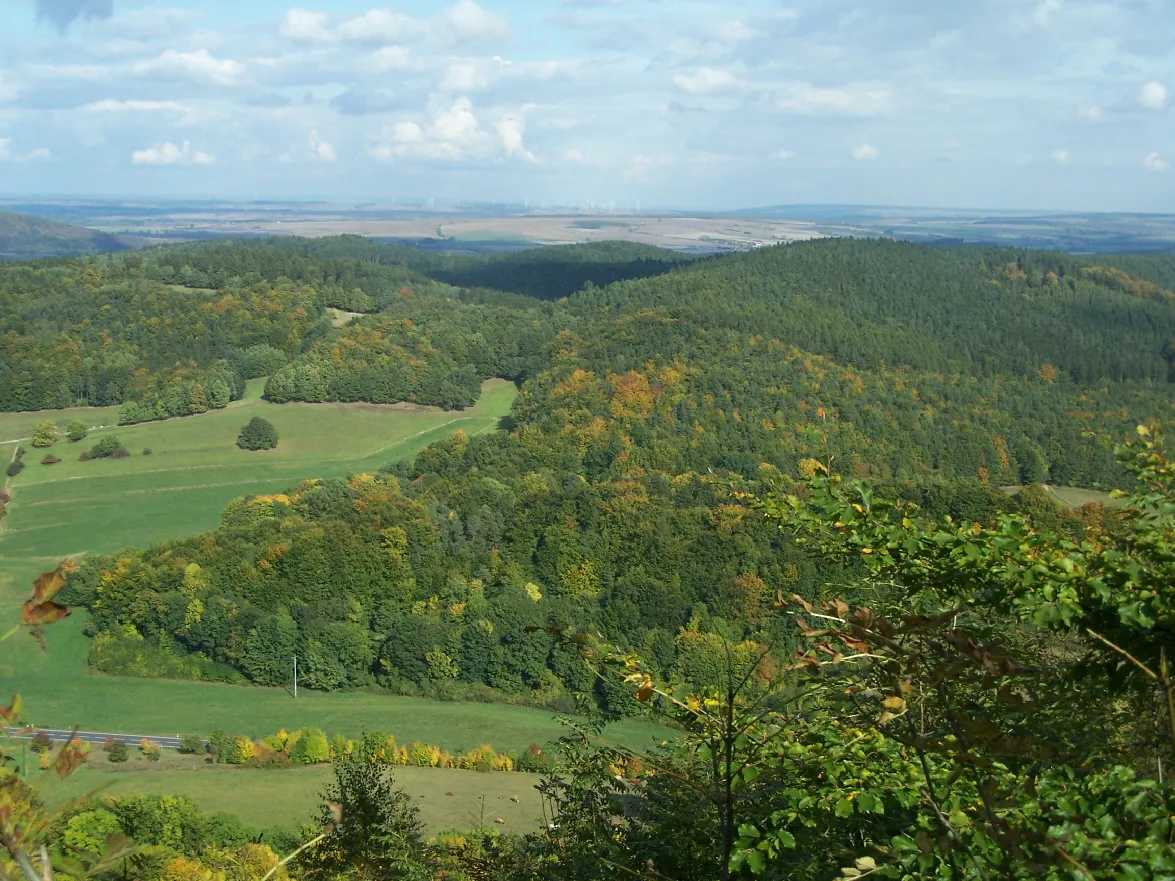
[941, 374]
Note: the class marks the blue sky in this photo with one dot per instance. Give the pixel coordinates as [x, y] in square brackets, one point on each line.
[1050, 104]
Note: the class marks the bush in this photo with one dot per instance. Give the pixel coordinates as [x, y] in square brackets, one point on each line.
[311, 747]
[120, 453]
[5, 498]
[77, 431]
[151, 750]
[41, 742]
[258, 434]
[191, 745]
[104, 449]
[146, 451]
[50, 459]
[14, 468]
[20, 451]
[118, 752]
[45, 433]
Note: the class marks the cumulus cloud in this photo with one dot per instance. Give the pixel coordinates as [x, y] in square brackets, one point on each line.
[1154, 162]
[199, 64]
[454, 132]
[320, 149]
[168, 153]
[463, 21]
[510, 130]
[389, 58]
[1153, 96]
[842, 102]
[705, 80]
[865, 151]
[63, 13]
[1061, 157]
[305, 26]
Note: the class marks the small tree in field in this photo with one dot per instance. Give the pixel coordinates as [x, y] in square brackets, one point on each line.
[258, 434]
[118, 752]
[45, 433]
[77, 431]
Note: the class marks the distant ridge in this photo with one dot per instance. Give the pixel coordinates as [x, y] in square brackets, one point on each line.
[24, 237]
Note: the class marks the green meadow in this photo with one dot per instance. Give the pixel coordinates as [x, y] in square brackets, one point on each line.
[446, 798]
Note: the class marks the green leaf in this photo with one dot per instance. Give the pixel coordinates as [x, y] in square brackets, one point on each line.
[843, 808]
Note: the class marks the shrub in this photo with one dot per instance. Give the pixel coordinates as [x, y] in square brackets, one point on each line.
[20, 451]
[258, 434]
[110, 741]
[311, 748]
[50, 459]
[104, 449]
[146, 451]
[41, 742]
[14, 468]
[118, 752]
[150, 749]
[120, 453]
[5, 498]
[191, 745]
[77, 431]
[45, 433]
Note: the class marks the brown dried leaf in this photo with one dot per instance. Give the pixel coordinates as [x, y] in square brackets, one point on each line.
[47, 586]
[37, 614]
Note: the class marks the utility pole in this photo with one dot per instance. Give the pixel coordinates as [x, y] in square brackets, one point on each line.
[295, 676]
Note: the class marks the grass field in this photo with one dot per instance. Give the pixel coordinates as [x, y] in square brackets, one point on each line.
[1072, 496]
[288, 797]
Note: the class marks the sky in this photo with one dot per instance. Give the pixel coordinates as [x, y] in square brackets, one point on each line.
[692, 104]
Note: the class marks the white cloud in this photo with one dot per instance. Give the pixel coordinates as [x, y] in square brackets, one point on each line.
[573, 155]
[305, 26]
[464, 20]
[320, 149]
[1061, 157]
[782, 155]
[168, 153]
[465, 76]
[865, 151]
[453, 131]
[467, 20]
[5, 149]
[110, 105]
[389, 58]
[1153, 95]
[200, 64]
[1154, 162]
[844, 102]
[706, 79]
[41, 154]
[1093, 114]
[510, 131]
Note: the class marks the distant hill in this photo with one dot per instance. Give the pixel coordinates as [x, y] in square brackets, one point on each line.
[24, 237]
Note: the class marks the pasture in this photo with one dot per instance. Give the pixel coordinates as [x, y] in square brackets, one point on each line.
[446, 798]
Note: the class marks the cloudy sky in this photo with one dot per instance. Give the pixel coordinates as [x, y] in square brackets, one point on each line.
[1065, 104]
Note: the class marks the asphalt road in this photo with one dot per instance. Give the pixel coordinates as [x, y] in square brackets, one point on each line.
[98, 737]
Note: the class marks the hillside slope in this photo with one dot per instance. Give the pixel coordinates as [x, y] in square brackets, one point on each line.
[24, 237]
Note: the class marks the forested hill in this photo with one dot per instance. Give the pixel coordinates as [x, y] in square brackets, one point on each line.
[346, 262]
[24, 237]
[943, 374]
